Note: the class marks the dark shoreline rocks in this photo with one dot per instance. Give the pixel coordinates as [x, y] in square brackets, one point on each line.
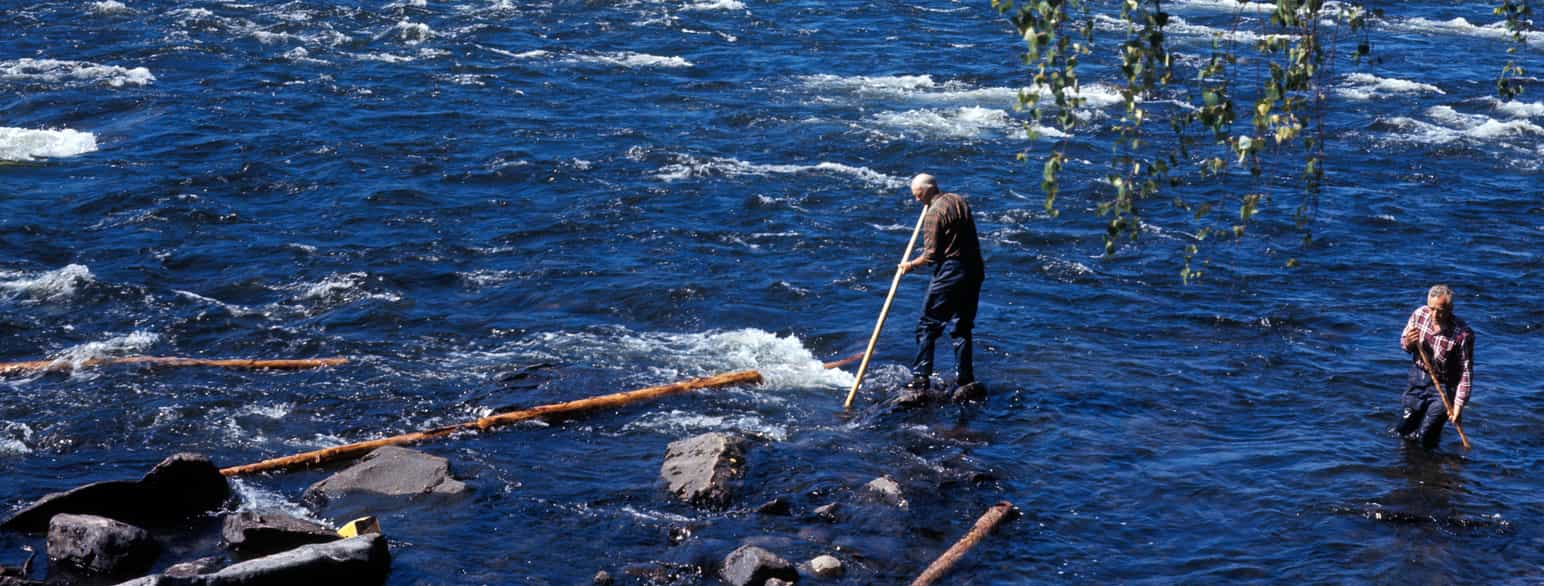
[363, 559]
[99, 545]
[753, 566]
[259, 534]
[179, 487]
[699, 470]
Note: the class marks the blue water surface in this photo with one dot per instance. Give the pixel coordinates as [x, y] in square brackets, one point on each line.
[493, 204]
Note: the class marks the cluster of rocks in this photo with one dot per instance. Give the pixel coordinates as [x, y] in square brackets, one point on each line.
[115, 529]
[703, 471]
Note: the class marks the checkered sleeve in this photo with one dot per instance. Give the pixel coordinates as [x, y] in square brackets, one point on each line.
[1420, 321]
[930, 235]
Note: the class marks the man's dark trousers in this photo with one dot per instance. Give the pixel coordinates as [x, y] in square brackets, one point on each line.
[953, 293]
[1424, 413]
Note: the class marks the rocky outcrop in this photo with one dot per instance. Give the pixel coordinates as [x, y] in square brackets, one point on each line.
[208, 565]
[751, 565]
[99, 545]
[975, 391]
[180, 486]
[388, 471]
[357, 560]
[253, 533]
[698, 470]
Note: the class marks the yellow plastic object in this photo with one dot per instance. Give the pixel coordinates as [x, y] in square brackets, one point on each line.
[360, 526]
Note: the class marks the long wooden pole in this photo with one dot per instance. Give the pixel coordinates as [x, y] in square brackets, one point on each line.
[61, 364]
[355, 450]
[984, 525]
[1442, 393]
[884, 312]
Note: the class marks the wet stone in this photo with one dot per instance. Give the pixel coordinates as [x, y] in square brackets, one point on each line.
[886, 490]
[357, 560]
[829, 513]
[698, 470]
[826, 566]
[99, 545]
[179, 487]
[389, 471]
[775, 507]
[196, 567]
[965, 393]
[751, 565]
[601, 579]
[253, 533]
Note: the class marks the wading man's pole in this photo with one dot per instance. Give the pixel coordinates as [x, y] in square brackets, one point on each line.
[884, 312]
[1443, 394]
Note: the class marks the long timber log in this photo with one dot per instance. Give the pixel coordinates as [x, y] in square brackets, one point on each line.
[61, 364]
[359, 449]
[984, 526]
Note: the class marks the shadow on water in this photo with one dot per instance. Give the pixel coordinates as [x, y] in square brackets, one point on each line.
[1432, 497]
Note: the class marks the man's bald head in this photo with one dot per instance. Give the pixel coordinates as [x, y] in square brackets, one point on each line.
[923, 187]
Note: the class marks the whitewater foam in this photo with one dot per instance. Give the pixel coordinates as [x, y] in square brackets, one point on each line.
[51, 71]
[708, 5]
[49, 286]
[14, 437]
[924, 89]
[1449, 125]
[1462, 27]
[256, 498]
[631, 60]
[22, 144]
[126, 345]
[1363, 86]
[1516, 109]
[689, 166]
[783, 361]
[682, 423]
[110, 7]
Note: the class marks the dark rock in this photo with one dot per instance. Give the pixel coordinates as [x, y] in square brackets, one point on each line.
[21, 572]
[601, 579]
[698, 470]
[975, 391]
[751, 565]
[267, 533]
[196, 567]
[829, 513]
[99, 545]
[179, 487]
[363, 559]
[777, 582]
[826, 566]
[665, 573]
[389, 471]
[911, 398]
[15, 581]
[778, 507]
[887, 490]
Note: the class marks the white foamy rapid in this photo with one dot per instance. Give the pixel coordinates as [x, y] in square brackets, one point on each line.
[53, 285]
[783, 361]
[682, 424]
[688, 166]
[1461, 27]
[1448, 125]
[964, 122]
[1230, 6]
[126, 345]
[631, 60]
[256, 498]
[23, 144]
[344, 287]
[50, 71]
[923, 89]
[1363, 86]
[110, 7]
[707, 5]
[1517, 109]
[14, 438]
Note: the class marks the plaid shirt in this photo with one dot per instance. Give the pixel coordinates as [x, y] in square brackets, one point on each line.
[949, 231]
[1449, 350]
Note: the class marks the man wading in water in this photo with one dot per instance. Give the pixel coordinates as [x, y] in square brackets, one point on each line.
[951, 246]
[1449, 344]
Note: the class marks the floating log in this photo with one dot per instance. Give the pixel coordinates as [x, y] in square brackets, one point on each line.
[359, 449]
[984, 525]
[62, 364]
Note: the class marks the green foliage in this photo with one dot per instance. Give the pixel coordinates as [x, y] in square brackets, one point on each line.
[1291, 58]
[1517, 15]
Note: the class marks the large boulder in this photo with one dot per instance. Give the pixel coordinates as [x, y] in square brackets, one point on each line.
[751, 565]
[254, 533]
[179, 487]
[363, 559]
[698, 470]
[99, 545]
[388, 471]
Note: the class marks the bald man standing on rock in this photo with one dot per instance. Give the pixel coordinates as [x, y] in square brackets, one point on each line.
[952, 248]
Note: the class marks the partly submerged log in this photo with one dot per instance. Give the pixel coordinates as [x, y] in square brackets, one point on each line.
[356, 450]
[984, 525]
[62, 364]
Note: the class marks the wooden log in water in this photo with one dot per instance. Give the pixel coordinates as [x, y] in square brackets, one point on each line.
[359, 449]
[984, 526]
[61, 364]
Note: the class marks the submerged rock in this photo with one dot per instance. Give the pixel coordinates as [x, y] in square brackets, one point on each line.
[389, 471]
[206, 565]
[751, 565]
[775, 507]
[601, 579]
[885, 489]
[99, 545]
[975, 391]
[179, 487]
[830, 513]
[698, 470]
[363, 559]
[255, 533]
